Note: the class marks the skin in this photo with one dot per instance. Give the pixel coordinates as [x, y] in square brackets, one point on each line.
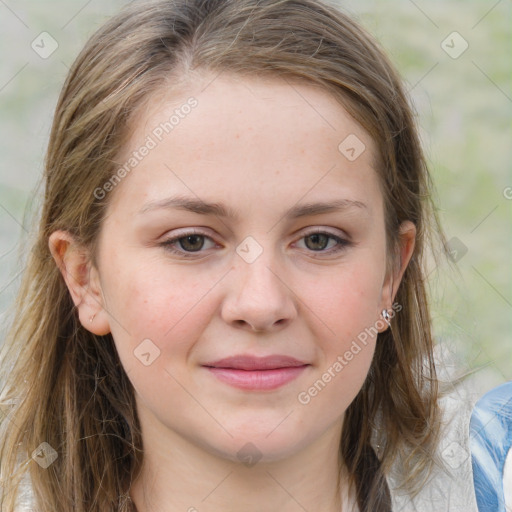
[260, 147]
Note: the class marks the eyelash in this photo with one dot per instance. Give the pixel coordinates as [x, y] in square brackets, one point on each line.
[168, 244]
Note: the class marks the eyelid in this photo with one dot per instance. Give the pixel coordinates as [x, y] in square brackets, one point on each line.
[184, 232]
[320, 229]
[168, 242]
[343, 241]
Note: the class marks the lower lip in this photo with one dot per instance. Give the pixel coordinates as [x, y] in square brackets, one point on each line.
[257, 379]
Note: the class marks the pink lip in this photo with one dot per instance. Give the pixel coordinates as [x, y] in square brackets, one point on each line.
[246, 362]
[257, 373]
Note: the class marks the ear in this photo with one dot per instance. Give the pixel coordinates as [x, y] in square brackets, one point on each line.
[407, 239]
[82, 280]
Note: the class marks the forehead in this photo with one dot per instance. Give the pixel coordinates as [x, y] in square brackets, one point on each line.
[245, 139]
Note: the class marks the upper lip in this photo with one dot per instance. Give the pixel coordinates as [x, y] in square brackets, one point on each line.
[246, 362]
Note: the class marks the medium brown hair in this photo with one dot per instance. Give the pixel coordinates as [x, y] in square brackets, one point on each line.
[67, 386]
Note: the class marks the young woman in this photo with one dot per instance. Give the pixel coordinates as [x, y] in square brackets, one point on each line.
[225, 307]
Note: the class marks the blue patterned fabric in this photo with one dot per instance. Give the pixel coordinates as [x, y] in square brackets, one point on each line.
[490, 443]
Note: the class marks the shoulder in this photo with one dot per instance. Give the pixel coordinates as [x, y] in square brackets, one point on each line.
[507, 481]
[450, 486]
[491, 442]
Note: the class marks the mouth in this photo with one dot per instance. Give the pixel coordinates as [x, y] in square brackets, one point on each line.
[256, 373]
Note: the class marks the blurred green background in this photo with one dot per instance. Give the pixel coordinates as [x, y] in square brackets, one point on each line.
[463, 99]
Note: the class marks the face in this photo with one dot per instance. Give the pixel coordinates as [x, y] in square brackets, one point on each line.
[242, 265]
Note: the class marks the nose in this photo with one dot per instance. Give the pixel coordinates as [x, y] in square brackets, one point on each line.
[259, 298]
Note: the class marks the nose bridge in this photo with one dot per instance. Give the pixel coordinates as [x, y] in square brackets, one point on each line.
[257, 268]
[259, 296]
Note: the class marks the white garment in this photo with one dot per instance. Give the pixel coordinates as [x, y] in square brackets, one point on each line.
[450, 488]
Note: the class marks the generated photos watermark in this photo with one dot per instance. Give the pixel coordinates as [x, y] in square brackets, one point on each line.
[305, 397]
[157, 135]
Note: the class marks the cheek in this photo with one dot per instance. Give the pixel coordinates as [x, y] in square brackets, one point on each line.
[347, 300]
[151, 302]
[172, 306]
[347, 304]
[350, 314]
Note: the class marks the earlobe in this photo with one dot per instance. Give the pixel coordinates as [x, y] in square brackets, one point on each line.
[82, 281]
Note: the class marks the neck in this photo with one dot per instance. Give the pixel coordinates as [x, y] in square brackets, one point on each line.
[179, 476]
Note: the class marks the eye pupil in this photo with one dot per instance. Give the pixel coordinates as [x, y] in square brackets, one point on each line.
[316, 242]
[320, 238]
[192, 238]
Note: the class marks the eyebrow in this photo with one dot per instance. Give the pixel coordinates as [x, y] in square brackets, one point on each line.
[218, 209]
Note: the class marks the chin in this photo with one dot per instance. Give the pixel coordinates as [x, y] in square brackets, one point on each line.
[253, 446]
